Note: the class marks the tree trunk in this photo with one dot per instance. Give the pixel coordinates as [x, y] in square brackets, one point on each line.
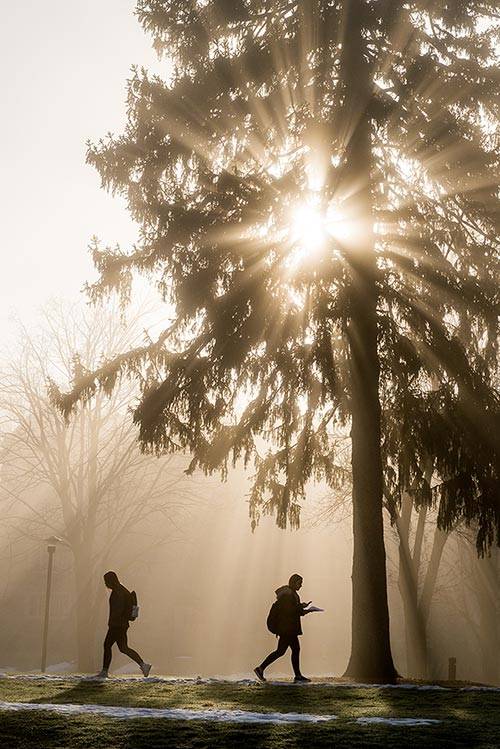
[371, 657]
[409, 565]
[438, 544]
[489, 616]
[417, 607]
[371, 652]
[415, 638]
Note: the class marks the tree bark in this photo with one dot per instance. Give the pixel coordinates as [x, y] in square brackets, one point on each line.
[488, 598]
[409, 567]
[417, 606]
[371, 657]
[438, 544]
[415, 638]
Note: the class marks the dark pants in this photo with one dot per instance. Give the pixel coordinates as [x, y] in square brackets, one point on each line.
[284, 642]
[118, 635]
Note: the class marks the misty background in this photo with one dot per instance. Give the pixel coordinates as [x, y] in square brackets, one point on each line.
[204, 581]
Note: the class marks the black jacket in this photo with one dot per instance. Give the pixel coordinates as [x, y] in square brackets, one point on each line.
[290, 611]
[119, 607]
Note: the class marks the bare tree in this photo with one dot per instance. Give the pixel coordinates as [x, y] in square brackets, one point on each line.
[478, 603]
[421, 545]
[84, 479]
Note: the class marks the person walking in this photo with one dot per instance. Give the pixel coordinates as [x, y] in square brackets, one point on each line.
[121, 605]
[286, 613]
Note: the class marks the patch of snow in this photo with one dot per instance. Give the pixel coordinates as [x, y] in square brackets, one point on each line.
[217, 716]
[398, 721]
[355, 685]
[417, 687]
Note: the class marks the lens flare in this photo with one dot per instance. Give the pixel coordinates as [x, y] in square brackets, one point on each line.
[308, 229]
[313, 229]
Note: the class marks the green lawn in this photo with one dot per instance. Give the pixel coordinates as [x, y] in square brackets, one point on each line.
[470, 719]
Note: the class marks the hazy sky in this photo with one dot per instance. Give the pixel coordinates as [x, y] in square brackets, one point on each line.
[63, 68]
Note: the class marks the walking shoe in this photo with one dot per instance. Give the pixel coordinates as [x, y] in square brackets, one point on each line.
[145, 668]
[101, 675]
[301, 679]
[259, 673]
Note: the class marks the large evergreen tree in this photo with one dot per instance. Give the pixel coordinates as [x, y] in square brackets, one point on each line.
[316, 187]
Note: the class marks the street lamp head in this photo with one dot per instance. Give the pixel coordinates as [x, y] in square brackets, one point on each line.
[52, 542]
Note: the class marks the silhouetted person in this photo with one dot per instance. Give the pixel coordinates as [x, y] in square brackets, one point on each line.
[120, 606]
[288, 627]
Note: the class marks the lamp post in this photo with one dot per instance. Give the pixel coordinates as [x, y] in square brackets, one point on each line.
[51, 548]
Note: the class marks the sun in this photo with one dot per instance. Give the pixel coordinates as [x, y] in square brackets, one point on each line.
[308, 229]
[314, 229]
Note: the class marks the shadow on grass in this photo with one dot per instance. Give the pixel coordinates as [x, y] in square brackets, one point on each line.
[269, 698]
[470, 719]
[49, 731]
[112, 693]
[346, 702]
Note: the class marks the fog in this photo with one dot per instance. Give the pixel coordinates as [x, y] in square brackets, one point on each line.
[205, 583]
[204, 580]
[63, 82]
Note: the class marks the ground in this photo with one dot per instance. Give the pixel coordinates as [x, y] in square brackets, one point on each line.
[468, 718]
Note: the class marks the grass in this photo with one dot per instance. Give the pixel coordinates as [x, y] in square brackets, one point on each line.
[470, 719]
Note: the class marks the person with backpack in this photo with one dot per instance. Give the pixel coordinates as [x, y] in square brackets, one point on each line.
[122, 609]
[284, 622]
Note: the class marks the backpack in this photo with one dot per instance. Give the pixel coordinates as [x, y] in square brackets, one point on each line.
[132, 607]
[274, 618]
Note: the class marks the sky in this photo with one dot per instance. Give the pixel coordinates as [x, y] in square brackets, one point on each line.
[63, 71]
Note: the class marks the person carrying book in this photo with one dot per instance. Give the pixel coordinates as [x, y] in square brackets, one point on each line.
[284, 620]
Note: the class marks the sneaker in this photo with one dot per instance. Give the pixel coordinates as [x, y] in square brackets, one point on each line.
[101, 675]
[145, 668]
[259, 673]
[301, 680]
